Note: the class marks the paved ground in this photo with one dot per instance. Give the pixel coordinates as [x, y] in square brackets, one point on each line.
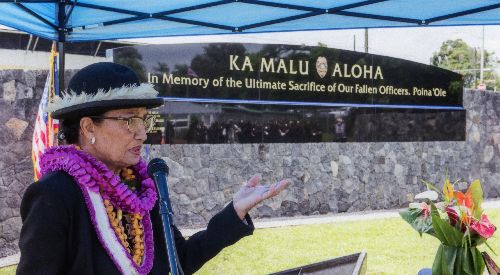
[332, 218]
[301, 220]
[10, 260]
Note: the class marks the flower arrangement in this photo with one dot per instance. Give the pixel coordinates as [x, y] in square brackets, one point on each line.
[457, 221]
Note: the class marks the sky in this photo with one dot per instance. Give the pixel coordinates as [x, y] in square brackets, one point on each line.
[415, 44]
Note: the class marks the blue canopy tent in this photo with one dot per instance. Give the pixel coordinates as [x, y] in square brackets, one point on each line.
[85, 20]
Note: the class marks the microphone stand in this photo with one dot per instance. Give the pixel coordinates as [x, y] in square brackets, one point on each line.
[167, 217]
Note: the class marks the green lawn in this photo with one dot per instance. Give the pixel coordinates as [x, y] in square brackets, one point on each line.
[392, 246]
[8, 270]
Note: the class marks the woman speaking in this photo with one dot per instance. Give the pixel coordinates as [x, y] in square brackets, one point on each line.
[95, 209]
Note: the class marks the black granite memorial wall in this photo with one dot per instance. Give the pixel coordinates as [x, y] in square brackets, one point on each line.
[252, 93]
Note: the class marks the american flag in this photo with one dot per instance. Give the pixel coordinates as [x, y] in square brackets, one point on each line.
[45, 126]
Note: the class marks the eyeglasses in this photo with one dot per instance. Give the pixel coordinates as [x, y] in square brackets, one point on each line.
[134, 123]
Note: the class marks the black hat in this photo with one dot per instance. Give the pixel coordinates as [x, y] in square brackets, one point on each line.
[102, 87]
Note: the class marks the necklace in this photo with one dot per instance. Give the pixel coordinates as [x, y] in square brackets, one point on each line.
[127, 237]
[96, 175]
[132, 232]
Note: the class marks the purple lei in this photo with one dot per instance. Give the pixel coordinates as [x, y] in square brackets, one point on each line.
[94, 174]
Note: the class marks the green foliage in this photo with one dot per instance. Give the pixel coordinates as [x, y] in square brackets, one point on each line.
[162, 68]
[457, 55]
[417, 221]
[458, 261]
[446, 233]
[457, 253]
[477, 198]
[432, 187]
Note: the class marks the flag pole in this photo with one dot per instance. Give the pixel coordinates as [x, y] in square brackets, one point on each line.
[60, 67]
[55, 84]
[61, 38]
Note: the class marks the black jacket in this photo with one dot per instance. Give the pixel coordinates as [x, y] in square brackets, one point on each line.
[58, 237]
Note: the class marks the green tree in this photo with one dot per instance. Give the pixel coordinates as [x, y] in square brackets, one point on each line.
[130, 57]
[162, 68]
[457, 56]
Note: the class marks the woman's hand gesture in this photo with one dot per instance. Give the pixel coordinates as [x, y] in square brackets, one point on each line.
[253, 193]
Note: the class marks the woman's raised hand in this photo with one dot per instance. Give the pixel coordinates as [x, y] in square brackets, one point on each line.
[253, 193]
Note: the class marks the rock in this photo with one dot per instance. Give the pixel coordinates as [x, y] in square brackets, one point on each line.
[175, 168]
[348, 186]
[315, 159]
[202, 173]
[345, 160]
[184, 199]
[305, 177]
[398, 171]
[5, 213]
[496, 140]
[475, 135]
[380, 160]
[488, 153]
[476, 119]
[265, 211]
[193, 162]
[335, 168]
[218, 197]
[23, 91]
[410, 197]
[289, 208]
[9, 91]
[197, 205]
[30, 78]
[16, 127]
[287, 161]
[209, 203]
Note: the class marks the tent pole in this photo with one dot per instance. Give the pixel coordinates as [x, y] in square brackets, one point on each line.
[366, 40]
[60, 66]
[61, 15]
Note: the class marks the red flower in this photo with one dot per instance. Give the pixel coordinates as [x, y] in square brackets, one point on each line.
[452, 215]
[465, 199]
[426, 209]
[483, 227]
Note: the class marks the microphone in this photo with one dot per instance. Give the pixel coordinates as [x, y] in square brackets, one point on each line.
[157, 165]
[158, 171]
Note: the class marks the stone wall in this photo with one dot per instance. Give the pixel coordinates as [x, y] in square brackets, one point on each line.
[327, 177]
[20, 93]
[334, 177]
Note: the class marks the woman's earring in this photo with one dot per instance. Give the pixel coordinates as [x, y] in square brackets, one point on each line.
[92, 140]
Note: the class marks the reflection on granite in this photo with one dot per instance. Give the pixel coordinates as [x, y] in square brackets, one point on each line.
[214, 123]
[376, 125]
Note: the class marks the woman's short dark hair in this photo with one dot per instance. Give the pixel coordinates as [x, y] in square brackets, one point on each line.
[69, 128]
